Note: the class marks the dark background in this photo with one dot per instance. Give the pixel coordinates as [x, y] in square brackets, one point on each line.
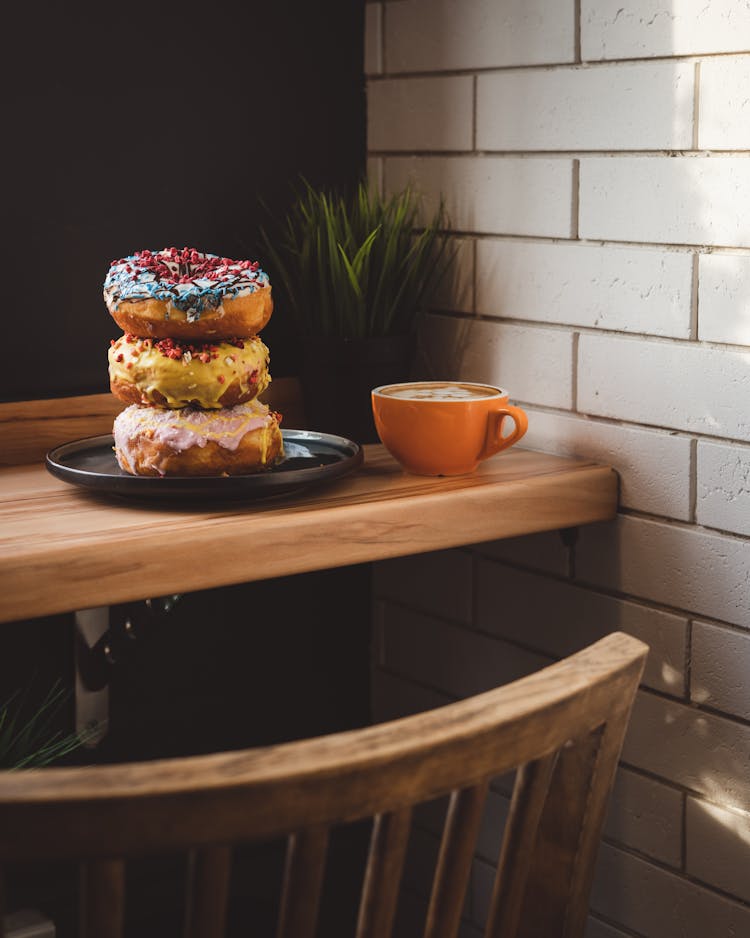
[150, 125]
[145, 126]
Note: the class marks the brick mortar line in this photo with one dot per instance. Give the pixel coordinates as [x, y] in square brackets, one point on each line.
[677, 873]
[615, 422]
[688, 525]
[693, 481]
[383, 7]
[422, 685]
[668, 247]
[610, 593]
[474, 275]
[612, 842]
[678, 786]
[614, 924]
[604, 153]
[584, 64]
[543, 324]
[656, 428]
[688, 663]
[474, 112]
[694, 294]
[575, 208]
[694, 706]
[440, 617]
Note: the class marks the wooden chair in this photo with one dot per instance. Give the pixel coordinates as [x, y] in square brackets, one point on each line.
[562, 727]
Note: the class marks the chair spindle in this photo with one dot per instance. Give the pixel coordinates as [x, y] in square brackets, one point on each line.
[529, 796]
[454, 861]
[207, 892]
[303, 879]
[385, 863]
[102, 907]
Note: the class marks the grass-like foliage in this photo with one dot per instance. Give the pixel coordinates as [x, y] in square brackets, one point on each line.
[356, 265]
[28, 739]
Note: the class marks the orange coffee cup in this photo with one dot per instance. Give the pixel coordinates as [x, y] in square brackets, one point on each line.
[444, 428]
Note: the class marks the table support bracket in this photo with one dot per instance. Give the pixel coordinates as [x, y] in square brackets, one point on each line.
[91, 705]
[105, 637]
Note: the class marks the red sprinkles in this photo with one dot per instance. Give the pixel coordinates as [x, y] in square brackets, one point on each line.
[175, 349]
[186, 265]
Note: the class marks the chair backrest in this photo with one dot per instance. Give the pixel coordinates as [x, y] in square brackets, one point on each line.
[562, 728]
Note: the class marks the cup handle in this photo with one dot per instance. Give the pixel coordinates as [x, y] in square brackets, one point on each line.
[495, 441]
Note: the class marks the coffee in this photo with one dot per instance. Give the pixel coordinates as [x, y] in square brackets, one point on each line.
[440, 391]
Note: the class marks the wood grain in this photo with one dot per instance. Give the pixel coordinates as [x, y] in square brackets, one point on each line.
[63, 548]
[577, 709]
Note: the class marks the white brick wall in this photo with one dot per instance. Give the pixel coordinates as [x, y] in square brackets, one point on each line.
[723, 487]
[460, 662]
[373, 38]
[441, 35]
[493, 193]
[532, 364]
[725, 103]
[699, 751]
[597, 929]
[720, 669]
[646, 816]
[676, 565]
[724, 298]
[654, 467]
[557, 618]
[455, 289]
[651, 901]
[595, 163]
[612, 29]
[682, 386]
[421, 114]
[681, 200]
[568, 108]
[546, 552]
[439, 583]
[619, 288]
[717, 846]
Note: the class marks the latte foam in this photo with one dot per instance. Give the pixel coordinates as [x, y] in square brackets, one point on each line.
[440, 391]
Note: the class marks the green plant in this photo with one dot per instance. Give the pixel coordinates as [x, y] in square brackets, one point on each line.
[359, 265]
[28, 739]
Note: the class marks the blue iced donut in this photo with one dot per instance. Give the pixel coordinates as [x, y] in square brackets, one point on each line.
[185, 294]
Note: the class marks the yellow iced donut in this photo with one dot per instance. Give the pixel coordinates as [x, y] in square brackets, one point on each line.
[171, 373]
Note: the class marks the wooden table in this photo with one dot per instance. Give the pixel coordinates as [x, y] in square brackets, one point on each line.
[63, 548]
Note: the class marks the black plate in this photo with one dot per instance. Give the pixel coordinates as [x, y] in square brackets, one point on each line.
[311, 458]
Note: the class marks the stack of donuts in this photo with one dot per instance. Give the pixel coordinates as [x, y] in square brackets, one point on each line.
[191, 364]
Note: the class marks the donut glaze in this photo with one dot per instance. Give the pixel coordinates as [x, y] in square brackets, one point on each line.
[231, 441]
[171, 373]
[188, 295]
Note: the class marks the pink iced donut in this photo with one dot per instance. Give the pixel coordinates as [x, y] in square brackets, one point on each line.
[155, 441]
